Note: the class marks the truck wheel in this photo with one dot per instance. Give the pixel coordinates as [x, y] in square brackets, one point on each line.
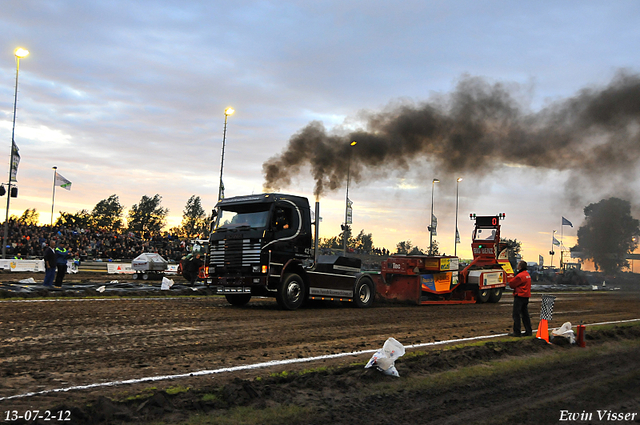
[495, 295]
[482, 295]
[238, 299]
[135, 276]
[364, 294]
[291, 292]
[145, 276]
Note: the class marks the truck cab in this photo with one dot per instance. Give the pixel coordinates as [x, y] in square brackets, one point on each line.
[261, 245]
[252, 239]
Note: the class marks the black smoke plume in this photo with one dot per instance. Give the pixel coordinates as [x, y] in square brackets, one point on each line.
[474, 130]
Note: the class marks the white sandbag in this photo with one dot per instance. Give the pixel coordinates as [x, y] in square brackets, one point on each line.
[566, 332]
[393, 349]
[101, 289]
[166, 284]
[29, 280]
[384, 359]
[566, 327]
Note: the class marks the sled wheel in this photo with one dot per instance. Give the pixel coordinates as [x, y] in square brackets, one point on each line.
[495, 295]
[291, 292]
[482, 295]
[364, 294]
[238, 299]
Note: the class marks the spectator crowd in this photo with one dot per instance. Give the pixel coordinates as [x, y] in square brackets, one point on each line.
[28, 242]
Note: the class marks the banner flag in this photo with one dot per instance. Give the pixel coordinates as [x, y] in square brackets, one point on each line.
[62, 182]
[566, 222]
[457, 236]
[15, 160]
[540, 260]
[434, 225]
[556, 242]
[349, 211]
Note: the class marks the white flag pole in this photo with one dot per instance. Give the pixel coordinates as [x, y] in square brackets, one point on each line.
[561, 245]
[53, 197]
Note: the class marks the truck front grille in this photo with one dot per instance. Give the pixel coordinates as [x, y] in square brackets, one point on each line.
[234, 254]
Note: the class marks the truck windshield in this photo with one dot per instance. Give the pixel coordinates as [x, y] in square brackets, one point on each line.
[231, 219]
[485, 235]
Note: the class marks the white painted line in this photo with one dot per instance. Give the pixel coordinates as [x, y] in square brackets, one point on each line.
[608, 323]
[261, 365]
[100, 299]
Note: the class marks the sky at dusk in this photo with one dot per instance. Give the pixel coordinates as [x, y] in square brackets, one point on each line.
[128, 98]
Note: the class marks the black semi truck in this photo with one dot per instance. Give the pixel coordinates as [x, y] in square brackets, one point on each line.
[262, 245]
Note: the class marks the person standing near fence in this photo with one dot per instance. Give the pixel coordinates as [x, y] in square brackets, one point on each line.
[521, 285]
[61, 263]
[49, 264]
[196, 263]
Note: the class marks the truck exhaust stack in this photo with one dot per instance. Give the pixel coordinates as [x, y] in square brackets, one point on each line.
[316, 231]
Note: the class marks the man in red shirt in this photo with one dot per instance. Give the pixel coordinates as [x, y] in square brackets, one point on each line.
[521, 285]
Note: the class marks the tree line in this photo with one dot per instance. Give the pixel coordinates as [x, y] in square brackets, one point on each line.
[147, 217]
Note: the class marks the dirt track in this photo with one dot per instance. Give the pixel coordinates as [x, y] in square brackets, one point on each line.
[63, 343]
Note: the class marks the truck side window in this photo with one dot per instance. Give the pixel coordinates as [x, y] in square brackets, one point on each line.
[285, 221]
[282, 219]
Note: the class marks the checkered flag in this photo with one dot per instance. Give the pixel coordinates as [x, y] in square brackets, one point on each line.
[546, 310]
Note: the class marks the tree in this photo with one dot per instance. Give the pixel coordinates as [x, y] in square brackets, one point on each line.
[194, 219]
[403, 247]
[30, 217]
[416, 251]
[79, 220]
[147, 217]
[330, 243]
[434, 249]
[107, 214]
[608, 234]
[364, 241]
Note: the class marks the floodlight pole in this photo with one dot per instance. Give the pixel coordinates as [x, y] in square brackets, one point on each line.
[433, 183]
[346, 206]
[227, 112]
[455, 242]
[18, 53]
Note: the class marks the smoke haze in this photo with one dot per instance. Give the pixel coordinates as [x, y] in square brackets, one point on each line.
[476, 129]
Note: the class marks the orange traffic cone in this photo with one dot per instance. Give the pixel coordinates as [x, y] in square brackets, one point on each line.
[543, 330]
